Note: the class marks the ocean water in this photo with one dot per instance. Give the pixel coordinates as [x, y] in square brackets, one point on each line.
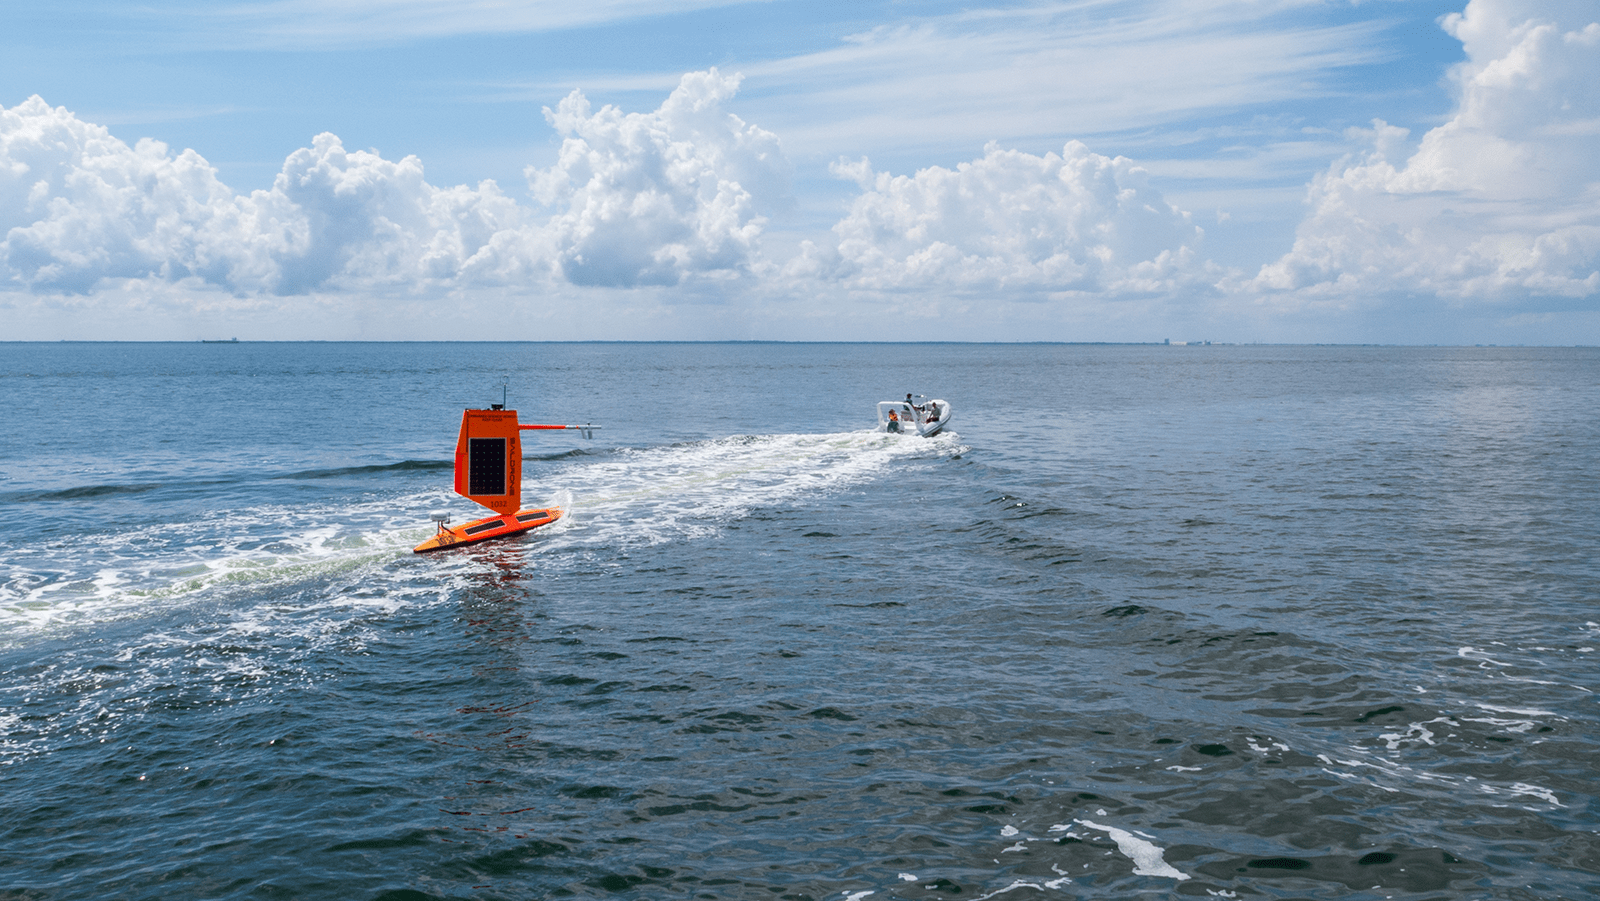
[1149, 622]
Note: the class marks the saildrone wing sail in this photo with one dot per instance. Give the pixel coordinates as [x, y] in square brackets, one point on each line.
[489, 459]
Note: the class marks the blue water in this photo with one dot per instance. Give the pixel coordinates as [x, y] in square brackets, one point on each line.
[1236, 622]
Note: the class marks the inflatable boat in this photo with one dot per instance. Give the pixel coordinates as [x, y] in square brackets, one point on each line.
[908, 417]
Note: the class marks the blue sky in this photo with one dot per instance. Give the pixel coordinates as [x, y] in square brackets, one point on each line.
[1388, 172]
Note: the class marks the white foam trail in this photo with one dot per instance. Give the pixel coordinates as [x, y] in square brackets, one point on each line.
[1523, 711]
[149, 568]
[650, 495]
[1147, 858]
[1472, 653]
[1537, 791]
[1415, 732]
[1010, 888]
[688, 491]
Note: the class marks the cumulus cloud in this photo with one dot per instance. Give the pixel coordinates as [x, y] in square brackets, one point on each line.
[635, 199]
[1500, 202]
[1009, 220]
[662, 198]
[355, 220]
[77, 205]
[654, 198]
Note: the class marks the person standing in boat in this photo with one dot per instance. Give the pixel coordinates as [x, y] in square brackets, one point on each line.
[894, 422]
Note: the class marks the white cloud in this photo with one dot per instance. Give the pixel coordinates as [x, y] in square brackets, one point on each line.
[669, 198]
[1010, 221]
[77, 205]
[635, 199]
[358, 220]
[1500, 202]
[645, 209]
[655, 198]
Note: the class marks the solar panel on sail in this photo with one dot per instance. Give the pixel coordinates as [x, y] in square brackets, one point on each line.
[486, 466]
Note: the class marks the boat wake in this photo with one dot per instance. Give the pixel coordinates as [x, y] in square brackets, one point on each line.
[692, 490]
[618, 498]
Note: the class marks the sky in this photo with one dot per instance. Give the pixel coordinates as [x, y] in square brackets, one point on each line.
[1280, 171]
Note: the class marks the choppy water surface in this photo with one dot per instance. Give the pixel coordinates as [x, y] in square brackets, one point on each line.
[1240, 622]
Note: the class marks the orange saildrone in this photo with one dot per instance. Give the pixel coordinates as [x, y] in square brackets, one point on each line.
[489, 472]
